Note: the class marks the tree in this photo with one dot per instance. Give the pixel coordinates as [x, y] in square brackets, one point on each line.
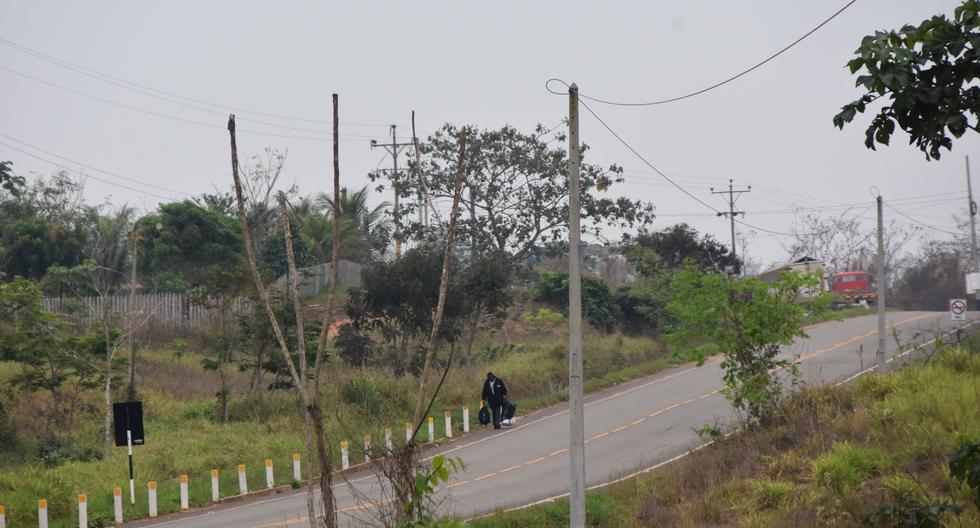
[364, 231]
[185, 246]
[515, 192]
[673, 247]
[934, 277]
[928, 73]
[598, 305]
[748, 320]
[8, 181]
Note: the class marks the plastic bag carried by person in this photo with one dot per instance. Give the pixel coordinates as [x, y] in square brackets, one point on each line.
[485, 415]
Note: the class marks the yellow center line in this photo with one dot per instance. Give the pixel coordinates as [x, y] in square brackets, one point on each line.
[457, 484]
[560, 451]
[685, 402]
[481, 477]
[620, 428]
[705, 395]
[637, 421]
[598, 436]
[535, 461]
[511, 468]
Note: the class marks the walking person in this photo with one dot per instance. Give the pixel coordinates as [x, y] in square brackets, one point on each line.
[494, 393]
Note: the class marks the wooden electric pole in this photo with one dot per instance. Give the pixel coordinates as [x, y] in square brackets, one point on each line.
[576, 420]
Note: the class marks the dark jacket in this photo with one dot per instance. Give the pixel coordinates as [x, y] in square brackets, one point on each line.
[494, 391]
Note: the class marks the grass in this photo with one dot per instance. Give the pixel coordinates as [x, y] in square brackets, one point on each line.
[183, 438]
[831, 457]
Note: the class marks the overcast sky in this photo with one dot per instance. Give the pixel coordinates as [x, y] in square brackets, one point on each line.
[481, 63]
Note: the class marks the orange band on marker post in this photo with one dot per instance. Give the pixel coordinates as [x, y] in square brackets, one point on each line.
[296, 457]
[81, 498]
[268, 462]
[42, 503]
[241, 468]
[116, 492]
[183, 479]
[214, 473]
[153, 485]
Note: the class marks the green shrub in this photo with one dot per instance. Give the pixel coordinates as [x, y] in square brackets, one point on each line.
[544, 318]
[846, 466]
[771, 493]
[363, 393]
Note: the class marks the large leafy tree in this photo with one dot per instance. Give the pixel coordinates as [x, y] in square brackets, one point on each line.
[8, 181]
[365, 232]
[927, 73]
[186, 246]
[670, 248]
[515, 195]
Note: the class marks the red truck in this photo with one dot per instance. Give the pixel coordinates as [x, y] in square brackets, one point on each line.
[852, 287]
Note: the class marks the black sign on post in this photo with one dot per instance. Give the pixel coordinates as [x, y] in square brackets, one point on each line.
[128, 416]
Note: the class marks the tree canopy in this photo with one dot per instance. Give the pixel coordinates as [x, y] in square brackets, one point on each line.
[672, 247]
[515, 195]
[928, 74]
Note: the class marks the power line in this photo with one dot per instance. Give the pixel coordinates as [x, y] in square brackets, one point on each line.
[166, 116]
[82, 174]
[927, 226]
[716, 85]
[114, 175]
[644, 160]
[116, 80]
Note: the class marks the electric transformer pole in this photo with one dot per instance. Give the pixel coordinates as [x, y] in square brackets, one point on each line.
[733, 195]
[393, 149]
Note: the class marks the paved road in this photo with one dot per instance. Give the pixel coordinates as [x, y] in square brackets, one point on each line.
[629, 428]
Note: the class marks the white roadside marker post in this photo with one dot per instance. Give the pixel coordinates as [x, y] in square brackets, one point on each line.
[42, 513]
[367, 448]
[184, 500]
[297, 472]
[344, 455]
[152, 497]
[408, 432]
[270, 479]
[116, 505]
[432, 430]
[82, 511]
[242, 480]
[215, 495]
[388, 443]
[449, 424]
[466, 419]
[3, 517]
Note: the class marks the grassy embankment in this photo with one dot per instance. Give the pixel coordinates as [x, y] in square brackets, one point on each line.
[833, 456]
[183, 436]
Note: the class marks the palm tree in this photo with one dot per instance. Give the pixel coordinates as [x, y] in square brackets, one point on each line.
[364, 231]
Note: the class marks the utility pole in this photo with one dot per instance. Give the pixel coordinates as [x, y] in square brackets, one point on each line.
[131, 339]
[576, 417]
[393, 149]
[880, 299]
[733, 195]
[973, 219]
[974, 263]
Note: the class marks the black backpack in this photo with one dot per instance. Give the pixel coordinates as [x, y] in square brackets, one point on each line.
[510, 408]
[485, 415]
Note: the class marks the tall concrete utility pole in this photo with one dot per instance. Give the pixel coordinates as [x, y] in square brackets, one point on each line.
[576, 417]
[393, 149]
[880, 301]
[131, 338]
[973, 219]
[733, 196]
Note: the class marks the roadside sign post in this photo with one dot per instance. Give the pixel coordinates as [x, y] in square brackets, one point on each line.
[957, 310]
[127, 418]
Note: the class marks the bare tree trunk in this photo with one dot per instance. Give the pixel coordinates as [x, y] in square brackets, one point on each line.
[443, 283]
[299, 381]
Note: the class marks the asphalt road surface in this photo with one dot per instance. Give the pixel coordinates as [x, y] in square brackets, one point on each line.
[630, 428]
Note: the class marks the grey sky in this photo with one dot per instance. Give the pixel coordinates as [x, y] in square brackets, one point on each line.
[476, 63]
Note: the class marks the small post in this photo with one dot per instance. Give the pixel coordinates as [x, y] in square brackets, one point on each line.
[270, 479]
[297, 473]
[882, 355]
[344, 455]
[215, 492]
[184, 501]
[466, 419]
[3, 517]
[152, 497]
[116, 505]
[367, 448]
[42, 514]
[388, 442]
[408, 432]
[242, 480]
[432, 430]
[129, 447]
[82, 511]
[449, 424]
